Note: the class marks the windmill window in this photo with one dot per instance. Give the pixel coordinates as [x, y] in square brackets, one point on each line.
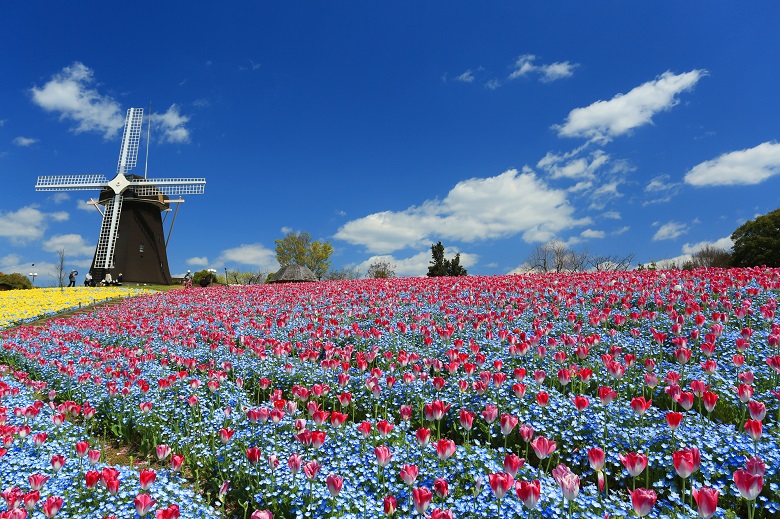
[141, 248]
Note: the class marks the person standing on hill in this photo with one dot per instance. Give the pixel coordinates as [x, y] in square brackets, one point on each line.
[72, 278]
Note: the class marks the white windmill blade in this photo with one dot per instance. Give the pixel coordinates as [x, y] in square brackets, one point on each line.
[71, 182]
[131, 139]
[168, 186]
[104, 254]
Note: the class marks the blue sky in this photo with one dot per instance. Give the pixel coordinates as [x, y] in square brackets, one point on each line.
[616, 127]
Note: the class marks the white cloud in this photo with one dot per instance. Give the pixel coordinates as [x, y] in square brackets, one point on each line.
[572, 167]
[73, 244]
[659, 189]
[84, 205]
[670, 231]
[725, 243]
[748, 167]
[58, 198]
[198, 261]
[172, 124]
[2, 122]
[493, 84]
[622, 230]
[252, 254]
[475, 209]
[71, 94]
[592, 234]
[28, 223]
[524, 65]
[417, 265]
[466, 77]
[286, 230]
[24, 141]
[604, 120]
[612, 215]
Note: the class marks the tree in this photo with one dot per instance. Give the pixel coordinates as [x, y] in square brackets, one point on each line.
[757, 242]
[711, 256]
[440, 266]
[59, 268]
[342, 274]
[299, 249]
[611, 263]
[381, 270]
[15, 280]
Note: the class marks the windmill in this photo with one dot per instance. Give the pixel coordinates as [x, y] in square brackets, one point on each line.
[131, 240]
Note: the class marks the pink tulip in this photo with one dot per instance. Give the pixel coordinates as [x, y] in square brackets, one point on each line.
[143, 504]
[383, 455]
[706, 500]
[634, 463]
[596, 458]
[334, 484]
[543, 447]
[640, 405]
[310, 469]
[643, 501]
[490, 413]
[262, 514]
[163, 451]
[568, 481]
[409, 474]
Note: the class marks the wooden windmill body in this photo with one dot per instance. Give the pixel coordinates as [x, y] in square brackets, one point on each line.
[131, 240]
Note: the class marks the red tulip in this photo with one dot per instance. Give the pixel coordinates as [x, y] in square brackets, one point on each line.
[528, 492]
[706, 500]
[466, 419]
[311, 468]
[81, 449]
[686, 461]
[441, 487]
[607, 395]
[580, 402]
[390, 505]
[709, 398]
[749, 485]
[37, 481]
[512, 464]
[542, 398]
[640, 405]
[753, 429]
[445, 448]
[253, 454]
[508, 423]
[147, 478]
[673, 419]
[421, 497]
[757, 410]
[643, 501]
[57, 462]
[52, 506]
[500, 483]
[423, 436]
[438, 513]
[596, 458]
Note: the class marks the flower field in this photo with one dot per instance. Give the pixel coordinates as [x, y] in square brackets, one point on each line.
[18, 306]
[574, 395]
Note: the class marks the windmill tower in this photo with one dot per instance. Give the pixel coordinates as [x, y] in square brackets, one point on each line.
[131, 240]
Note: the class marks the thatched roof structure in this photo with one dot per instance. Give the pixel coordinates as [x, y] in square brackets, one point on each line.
[293, 274]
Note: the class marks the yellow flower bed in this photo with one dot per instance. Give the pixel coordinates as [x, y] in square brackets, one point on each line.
[21, 305]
